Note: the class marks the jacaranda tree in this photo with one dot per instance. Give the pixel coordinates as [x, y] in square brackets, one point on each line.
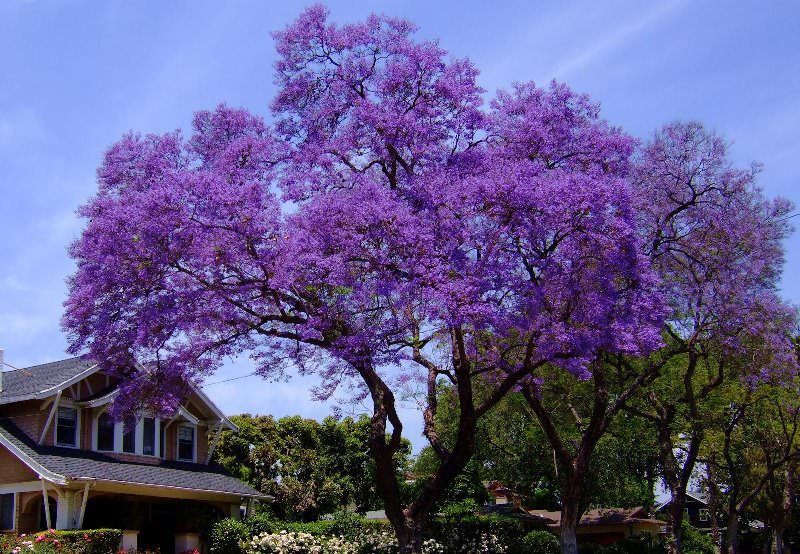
[716, 243]
[386, 228]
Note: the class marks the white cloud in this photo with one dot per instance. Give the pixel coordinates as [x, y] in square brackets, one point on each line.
[617, 38]
[12, 283]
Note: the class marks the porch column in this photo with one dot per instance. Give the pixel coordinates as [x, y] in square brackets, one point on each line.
[68, 509]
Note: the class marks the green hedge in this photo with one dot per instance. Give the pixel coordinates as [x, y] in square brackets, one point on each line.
[94, 541]
[539, 542]
[460, 534]
[456, 535]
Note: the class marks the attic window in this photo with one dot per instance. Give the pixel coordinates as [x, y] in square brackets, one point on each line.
[149, 436]
[67, 427]
[186, 443]
[105, 433]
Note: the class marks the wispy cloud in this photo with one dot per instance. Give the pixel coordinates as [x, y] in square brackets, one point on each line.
[10, 282]
[618, 37]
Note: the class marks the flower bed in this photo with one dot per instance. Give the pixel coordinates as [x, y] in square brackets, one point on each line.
[95, 541]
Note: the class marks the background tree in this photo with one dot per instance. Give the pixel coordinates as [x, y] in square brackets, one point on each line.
[427, 238]
[512, 448]
[756, 439]
[716, 243]
[311, 468]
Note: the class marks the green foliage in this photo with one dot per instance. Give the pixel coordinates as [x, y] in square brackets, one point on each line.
[227, 536]
[312, 468]
[94, 541]
[539, 542]
[347, 524]
[510, 444]
[458, 535]
[263, 522]
[695, 541]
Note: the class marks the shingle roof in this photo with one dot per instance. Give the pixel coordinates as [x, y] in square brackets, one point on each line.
[21, 384]
[602, 516]
[84, 465]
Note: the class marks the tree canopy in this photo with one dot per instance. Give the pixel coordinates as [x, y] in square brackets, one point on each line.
[388, 227]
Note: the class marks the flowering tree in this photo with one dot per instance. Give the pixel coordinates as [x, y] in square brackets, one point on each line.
[716, 242]
[387, 229]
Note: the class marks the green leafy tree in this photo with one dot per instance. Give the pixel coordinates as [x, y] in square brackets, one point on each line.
[310, 467]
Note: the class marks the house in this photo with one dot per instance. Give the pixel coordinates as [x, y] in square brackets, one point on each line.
[608, 525]
[697, 511]
[59, 448]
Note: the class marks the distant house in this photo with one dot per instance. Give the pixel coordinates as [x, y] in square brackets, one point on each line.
[608, 525]
[66, 464]
[697, 511]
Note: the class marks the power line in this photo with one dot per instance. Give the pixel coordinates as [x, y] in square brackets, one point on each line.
[251, 374]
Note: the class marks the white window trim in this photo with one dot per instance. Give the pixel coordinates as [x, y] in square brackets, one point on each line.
[96, 432]
[68, 404]
[119, 436]
[194, 442]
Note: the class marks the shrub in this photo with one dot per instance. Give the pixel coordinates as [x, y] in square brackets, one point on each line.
[261, 523]
[95, 541]
[477, 533]
[539, 542]
[228, 535]
[347, 524]
[695, 541]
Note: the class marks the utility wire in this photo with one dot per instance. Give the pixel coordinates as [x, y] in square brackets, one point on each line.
[251, 374]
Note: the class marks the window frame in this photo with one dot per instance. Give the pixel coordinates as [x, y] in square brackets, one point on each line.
[141, 422]
[97, 433]
[193, 427]
[119, 436]
[77, 410]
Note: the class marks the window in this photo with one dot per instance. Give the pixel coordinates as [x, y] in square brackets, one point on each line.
[67, 427]
[162, 446]
[129, 438]
[7, 512]
[704, 514]
[186, 443]
[149, 436]
[105, 433]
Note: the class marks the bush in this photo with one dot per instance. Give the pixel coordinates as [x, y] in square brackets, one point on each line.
[539, 542]
[695, 541]
[94, 541]
[477, 533]
[347, 524]
[260, 523]
[228, 535]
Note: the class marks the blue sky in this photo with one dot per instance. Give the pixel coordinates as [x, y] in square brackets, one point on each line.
[74, 76]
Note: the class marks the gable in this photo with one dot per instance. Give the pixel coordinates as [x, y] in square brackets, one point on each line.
[12, 470]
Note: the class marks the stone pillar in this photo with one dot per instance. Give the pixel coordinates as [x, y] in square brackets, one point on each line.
[129, 541]
[187, 542]
[68, 509]
[236, 511]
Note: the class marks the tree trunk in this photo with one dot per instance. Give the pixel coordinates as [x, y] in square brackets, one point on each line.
[777, 540]
[676, 506]
[409, 538]
[571, 494]
[733, 530]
